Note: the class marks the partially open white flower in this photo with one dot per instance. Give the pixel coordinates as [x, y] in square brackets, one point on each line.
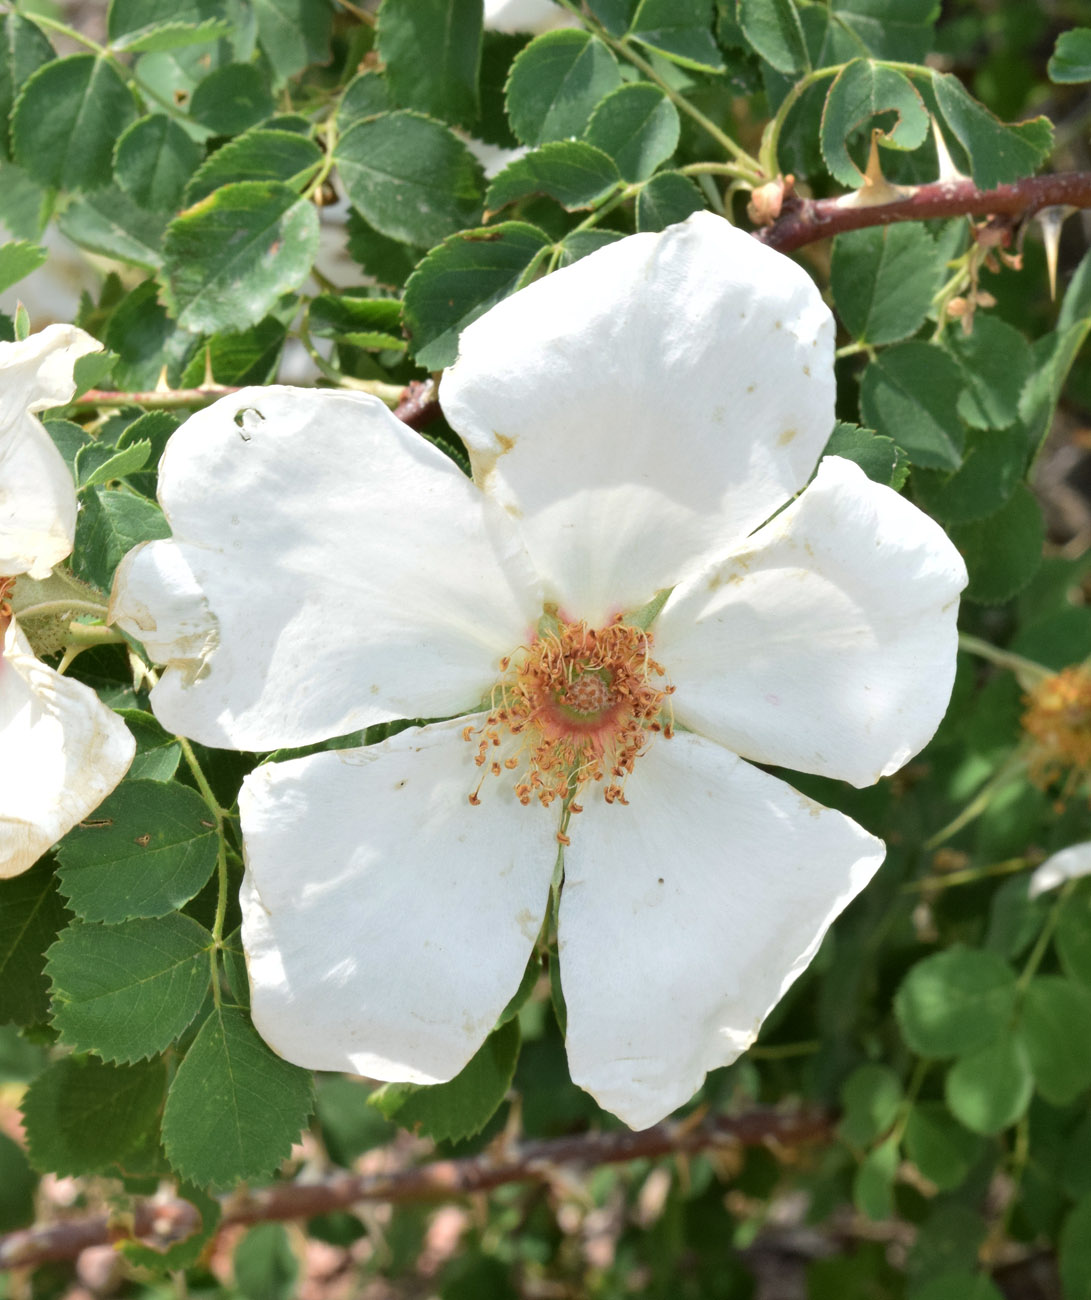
[526, 16]
[61, 749]
[634, 424]
[1061, 867]
[37, 499]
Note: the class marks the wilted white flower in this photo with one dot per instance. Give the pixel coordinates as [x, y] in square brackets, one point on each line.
[61, 750]
[621, 619]
[526, 16]
[1060, 867]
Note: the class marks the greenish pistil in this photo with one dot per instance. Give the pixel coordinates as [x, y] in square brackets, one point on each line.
[588, 695]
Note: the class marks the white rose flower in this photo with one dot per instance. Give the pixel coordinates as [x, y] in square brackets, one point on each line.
[634, 423]
[61, 749]
[526, 16]
[1068, 864]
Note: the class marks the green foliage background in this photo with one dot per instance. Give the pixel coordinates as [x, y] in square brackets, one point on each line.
[946, 1024]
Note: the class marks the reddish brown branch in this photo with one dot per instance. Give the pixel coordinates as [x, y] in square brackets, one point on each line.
[802, 221]
[170, 1220]
[160, 399]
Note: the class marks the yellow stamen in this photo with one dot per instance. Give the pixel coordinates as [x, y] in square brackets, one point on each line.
[584, 702]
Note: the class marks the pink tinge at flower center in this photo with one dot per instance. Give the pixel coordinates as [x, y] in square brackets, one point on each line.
[577, 705]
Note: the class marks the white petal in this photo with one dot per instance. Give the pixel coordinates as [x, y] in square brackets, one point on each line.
[37, 495]
[686, 916]
[1055, 870]
[526, 16]
[827, 644]
[644, 409]
[329, 569]
[61, 753]
[387, 922]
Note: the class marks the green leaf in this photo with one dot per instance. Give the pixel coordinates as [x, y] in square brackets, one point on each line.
[17, 1187]
[98, 464]
[91, 369]
[129, 18]
[883, 280]
[458, 1109]
[110, 523]
[31, 913]
[570, 171]
[667, 198]
[954, 1001]
[145, 339]
[349, 1126]
[998, 154]
[1074, 1254]
[111, 223]
[949, 1239]
[997, 362]
[1004, 551]
[366, 95]
[772, 27]
[265, 1265]
[990, 1088]
[1055, 1026]
[363, 322]
[1073, 938]
[234, 1108]
[82, 1115]
[432, 53]
[66, 120]
[23, 50]
[153, 161]
[960, 1284]
[387, 261]
[939, 1146]
[240, 356]
[294, 33]
[157, 751]
[232, 98]
[870, 1099]
[228, 259]
[638, 127]
[992, 465]
[556, 83]
[873, 1185]
[1053, 358]
[17, 259]
[461, 280]
[860, 91]
[615, 15]
[258, 155]
[128, 991]
[903, 32]
[233, 958]
[410, 177]
[680, 29]
[877, 457]
[174, 36]
[146, 850]
[910, 392]
[1071, 58]
[521, 996]
[578, 243]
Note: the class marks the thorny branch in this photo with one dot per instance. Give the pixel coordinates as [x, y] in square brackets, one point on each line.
[161, 1222]
[802, 221]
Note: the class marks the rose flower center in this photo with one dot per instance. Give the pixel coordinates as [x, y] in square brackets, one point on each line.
[575, 706]
[1058, 722]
